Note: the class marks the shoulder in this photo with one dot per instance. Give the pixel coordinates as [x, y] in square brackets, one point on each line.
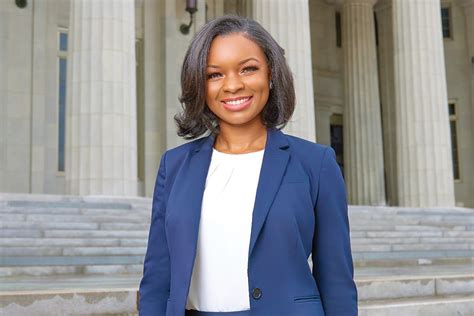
[174, 157]
[307, 150]
[313, 157]
[184, 149]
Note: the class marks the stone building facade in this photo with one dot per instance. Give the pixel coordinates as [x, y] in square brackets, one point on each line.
[88, 91]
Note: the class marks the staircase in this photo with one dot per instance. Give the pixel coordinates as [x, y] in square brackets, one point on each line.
[50, 235]
[392, 236]
[407, 261]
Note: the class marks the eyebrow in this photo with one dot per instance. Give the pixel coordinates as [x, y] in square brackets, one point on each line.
[242, 62]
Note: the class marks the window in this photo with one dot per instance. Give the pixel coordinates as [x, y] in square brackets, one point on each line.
[62, 74]
[338, 30]
[446, 21]
[454, 139]
[337, 139]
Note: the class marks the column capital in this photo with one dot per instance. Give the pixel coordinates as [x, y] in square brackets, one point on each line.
[465, 3]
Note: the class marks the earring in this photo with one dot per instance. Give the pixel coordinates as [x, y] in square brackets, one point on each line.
[271, 85]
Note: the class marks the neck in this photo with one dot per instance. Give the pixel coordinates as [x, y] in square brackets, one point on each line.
[241, 139]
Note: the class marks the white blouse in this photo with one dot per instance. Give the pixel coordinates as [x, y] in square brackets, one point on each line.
[219, 280]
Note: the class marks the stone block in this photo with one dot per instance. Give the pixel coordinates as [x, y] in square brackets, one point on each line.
[95, 234]
[455, 285]
[390, 288]
[124, 226]
[103, 251]
[72, 302]
[6, 233]
[29, 251]
[462, 306]
[58, 242]
[428, 247]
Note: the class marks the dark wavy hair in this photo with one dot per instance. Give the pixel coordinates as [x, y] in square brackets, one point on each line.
[196, 118]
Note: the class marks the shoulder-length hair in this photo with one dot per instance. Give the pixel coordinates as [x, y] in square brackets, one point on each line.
[196, 117]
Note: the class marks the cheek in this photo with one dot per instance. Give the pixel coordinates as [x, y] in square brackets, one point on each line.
[260, 85]
[211, 92]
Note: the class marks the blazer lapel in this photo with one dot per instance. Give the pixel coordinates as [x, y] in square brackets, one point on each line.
[191, 194]
[274, 163]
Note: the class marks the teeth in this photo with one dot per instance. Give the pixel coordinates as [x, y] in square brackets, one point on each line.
[237, 102]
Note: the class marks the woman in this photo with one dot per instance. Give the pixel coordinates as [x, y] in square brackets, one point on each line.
[237, 214]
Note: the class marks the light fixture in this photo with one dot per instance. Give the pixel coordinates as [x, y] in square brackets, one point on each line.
[21, 3]
[191, 7]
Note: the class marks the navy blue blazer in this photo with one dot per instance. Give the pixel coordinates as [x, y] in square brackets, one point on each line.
[300, 209]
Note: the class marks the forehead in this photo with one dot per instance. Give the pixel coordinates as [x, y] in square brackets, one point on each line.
[233, 48]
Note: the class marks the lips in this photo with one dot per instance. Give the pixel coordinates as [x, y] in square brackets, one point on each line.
[237, 104]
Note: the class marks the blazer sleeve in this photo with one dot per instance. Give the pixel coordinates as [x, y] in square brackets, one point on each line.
[155, 284]
[332, 259]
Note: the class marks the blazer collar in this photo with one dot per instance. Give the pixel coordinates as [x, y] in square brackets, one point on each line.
[275, 139]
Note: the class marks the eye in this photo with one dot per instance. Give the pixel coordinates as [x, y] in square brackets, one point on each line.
[249, 69]
[213, 75]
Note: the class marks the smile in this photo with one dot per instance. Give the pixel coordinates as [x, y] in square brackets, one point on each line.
[237, 104]
[236, 101]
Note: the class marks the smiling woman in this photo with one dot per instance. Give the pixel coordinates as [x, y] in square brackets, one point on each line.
[231, 58]
[237, 214]
[238, 82]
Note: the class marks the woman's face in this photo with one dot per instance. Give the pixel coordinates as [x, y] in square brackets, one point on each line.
[237, 80]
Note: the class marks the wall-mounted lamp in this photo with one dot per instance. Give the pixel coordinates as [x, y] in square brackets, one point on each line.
[191, 7]
[21, 3]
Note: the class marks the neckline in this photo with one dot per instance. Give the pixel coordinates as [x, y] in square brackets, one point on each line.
[234, 155]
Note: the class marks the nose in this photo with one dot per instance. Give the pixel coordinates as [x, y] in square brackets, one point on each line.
[233, 83]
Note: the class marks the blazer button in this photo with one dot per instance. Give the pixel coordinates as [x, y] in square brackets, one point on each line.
[256, 293]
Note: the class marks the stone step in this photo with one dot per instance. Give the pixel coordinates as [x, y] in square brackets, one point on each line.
[70, 302]
[70, 204]
[64, 233]
[412, 254]
[80, 271]
[403, 228]
[76, 218]
[48, 225]
[364, 245]
[72, 225]
[414, 234]
[439, 306]
[74, 233]
[410, 247]
[411, 259]
[74, 211]
[79, 261]
[71, 242]
[71, 251]
[399, 287]
[381, 295]
[411, 240]
[15, 265]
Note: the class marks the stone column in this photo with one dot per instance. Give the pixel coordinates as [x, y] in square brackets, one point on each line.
[363, 152]
[425, 174]
[176, 45]
[386, 78]
[154, 115]
[101, 126]
[16, 97]
[468, 8]
[288, 22]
